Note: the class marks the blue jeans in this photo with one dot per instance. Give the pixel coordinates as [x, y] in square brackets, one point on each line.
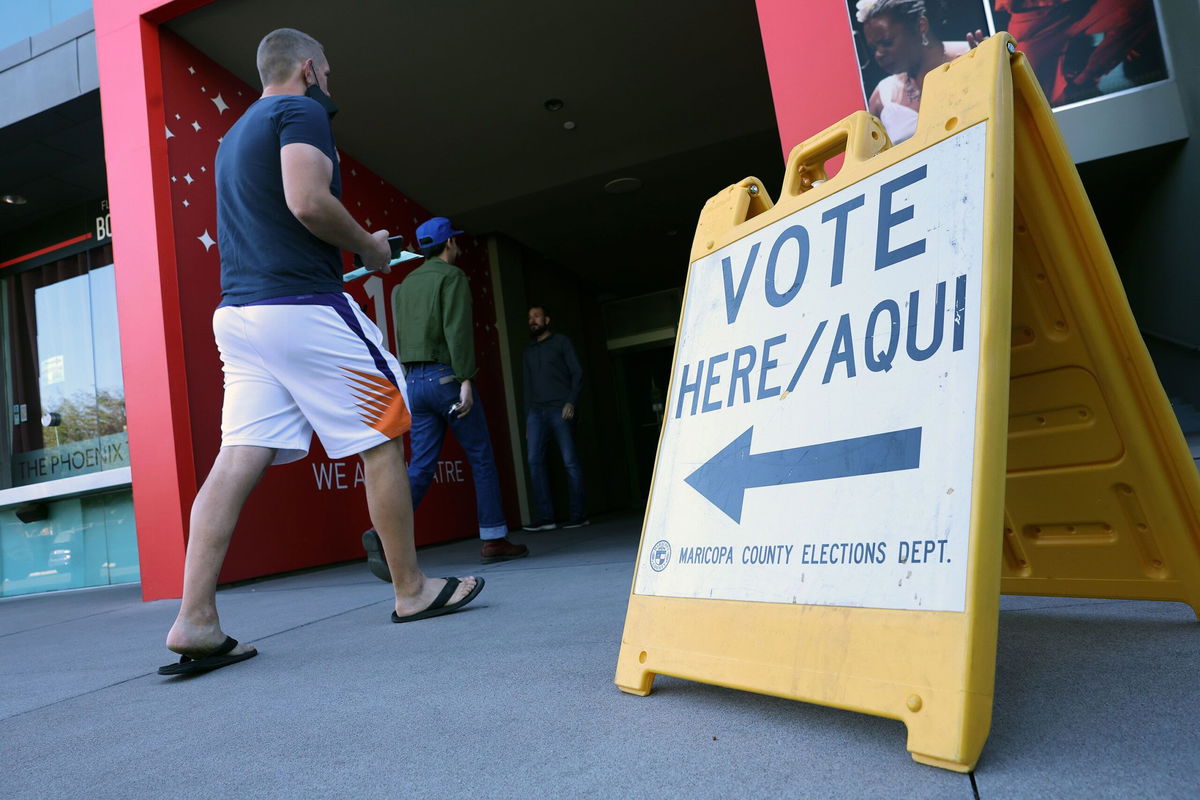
[430, 397]
[540, 425]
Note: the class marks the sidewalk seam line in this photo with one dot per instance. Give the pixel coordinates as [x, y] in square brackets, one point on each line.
[147, 674]
[60, 622]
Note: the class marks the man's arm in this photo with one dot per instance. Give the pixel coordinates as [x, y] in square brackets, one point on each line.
[573, 369]
[456, 327]
[527, 381]
[576, 373]
[306, 176]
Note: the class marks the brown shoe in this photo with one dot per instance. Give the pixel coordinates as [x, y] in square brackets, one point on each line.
[501, 550]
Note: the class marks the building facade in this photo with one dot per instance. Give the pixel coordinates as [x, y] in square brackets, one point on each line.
[575, 145]
[66, 505]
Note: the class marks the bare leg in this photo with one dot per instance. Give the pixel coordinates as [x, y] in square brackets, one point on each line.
[389, 501]
[197, 629]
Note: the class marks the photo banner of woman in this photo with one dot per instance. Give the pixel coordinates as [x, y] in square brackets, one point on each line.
[1079, 49]
[900, 41]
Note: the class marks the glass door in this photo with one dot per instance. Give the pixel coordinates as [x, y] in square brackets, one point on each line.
[67, 395]
[66, 403]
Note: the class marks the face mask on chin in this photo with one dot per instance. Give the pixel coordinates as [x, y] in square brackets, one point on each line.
[325, 100]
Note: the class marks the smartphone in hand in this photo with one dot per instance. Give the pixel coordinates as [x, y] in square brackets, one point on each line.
[396, 243]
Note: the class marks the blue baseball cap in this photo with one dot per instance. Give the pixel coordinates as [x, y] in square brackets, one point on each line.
[435, 232]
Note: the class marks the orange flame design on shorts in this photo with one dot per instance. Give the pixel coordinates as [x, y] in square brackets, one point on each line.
[381, 403]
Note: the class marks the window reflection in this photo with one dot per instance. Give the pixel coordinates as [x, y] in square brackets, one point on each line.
[68, 398]
[66, 405]
[83, 541]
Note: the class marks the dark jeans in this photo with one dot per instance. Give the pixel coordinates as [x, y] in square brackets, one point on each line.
[430, 399]
[541, 425]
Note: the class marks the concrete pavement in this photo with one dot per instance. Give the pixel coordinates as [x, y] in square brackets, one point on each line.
[514, 698]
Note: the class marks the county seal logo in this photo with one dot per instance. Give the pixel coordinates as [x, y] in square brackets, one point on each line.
[660, 555]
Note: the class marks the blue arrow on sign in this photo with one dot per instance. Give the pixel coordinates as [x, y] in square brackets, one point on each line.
[724, 478]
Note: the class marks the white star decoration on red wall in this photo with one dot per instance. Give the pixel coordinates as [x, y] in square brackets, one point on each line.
[195, 88]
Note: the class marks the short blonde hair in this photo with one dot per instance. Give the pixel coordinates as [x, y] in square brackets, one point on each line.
[281, 51]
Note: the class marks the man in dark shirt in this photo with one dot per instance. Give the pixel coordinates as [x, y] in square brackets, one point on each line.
[437, 348]
[553, 378]
[298, 355]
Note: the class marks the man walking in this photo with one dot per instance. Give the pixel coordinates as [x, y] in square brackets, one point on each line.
[437, 348]
[553, 379]
[298, 355]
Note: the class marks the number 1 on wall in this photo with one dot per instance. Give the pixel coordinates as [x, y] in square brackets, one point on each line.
[374, 288]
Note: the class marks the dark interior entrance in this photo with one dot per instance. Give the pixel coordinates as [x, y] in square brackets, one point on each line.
[645, 375]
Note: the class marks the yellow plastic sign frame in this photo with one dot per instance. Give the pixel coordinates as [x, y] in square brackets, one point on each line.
[1102, 493]
[1103, 498]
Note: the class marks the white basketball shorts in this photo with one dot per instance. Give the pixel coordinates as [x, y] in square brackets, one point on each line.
[316, 363]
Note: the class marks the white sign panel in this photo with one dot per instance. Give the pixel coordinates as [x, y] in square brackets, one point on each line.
[818, 443]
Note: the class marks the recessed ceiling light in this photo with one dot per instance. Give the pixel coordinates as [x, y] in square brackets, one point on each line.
[622, 185]
[553, 104]
[568, 126]
[13, 199]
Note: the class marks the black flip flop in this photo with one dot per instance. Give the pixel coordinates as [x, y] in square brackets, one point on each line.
[215, 660]
[375, 558]
[439, 606]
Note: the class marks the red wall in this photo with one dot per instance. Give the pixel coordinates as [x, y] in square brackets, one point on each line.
[164, 480]
[162, 198]
[812, 65]
[312, 511]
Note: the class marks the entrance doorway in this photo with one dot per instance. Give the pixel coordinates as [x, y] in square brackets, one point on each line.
[645, 375]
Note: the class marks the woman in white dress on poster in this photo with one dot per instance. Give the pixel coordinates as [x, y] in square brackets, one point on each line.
[902, 41]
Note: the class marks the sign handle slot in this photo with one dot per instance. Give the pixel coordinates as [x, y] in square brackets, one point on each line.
[859, 137]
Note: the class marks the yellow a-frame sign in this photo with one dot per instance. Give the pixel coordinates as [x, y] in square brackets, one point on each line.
[896, 393]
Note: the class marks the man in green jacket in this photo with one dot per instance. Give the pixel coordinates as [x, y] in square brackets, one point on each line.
[437, 349]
